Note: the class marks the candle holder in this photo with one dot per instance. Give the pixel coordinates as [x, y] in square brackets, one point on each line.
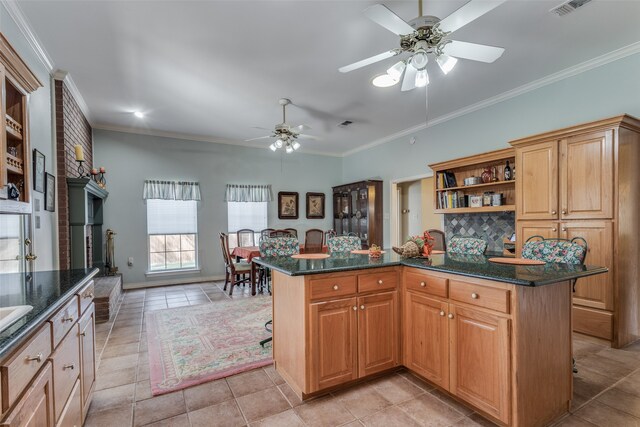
[82, 173]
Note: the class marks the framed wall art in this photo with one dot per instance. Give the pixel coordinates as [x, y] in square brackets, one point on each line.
[287, 205]
[38, 171]
[315, 205]
[50, 193]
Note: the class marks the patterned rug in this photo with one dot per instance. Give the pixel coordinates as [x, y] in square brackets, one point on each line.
[195, 344]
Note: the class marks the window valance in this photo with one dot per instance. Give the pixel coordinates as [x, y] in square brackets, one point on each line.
[171, 190]
[248, 193]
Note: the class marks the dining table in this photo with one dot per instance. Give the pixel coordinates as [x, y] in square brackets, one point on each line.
[250, 252]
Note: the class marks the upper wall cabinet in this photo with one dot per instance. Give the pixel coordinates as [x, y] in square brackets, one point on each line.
[17, 82]
[568, 178]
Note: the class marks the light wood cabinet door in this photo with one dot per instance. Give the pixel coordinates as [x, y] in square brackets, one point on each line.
[378, 337]
[537, 181]
[426, 338]
[594, 291]
[72, 413]
[87, 358]
[334, 343]
[586, 176]
[35, 408]
[480, 360]
[527, 229]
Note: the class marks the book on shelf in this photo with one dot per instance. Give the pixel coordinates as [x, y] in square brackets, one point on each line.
[452, 200]
[446, 180]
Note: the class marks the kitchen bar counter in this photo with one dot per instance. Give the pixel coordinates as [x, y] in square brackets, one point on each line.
[45, 291]
[477, 266]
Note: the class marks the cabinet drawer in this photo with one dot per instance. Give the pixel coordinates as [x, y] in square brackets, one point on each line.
[436, 286]
[19, 370]
[481, 296]
[66, 369]
[333, 287]
[378, 281]
[85, 295]
[63, 320]
[72, 413]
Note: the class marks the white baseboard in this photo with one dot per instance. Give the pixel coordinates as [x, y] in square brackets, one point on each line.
[169, 282]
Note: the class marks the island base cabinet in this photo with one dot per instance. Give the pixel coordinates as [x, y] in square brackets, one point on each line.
[377, 333]
[35, 409]
[480, 367]
[334, 343]
[426, 338]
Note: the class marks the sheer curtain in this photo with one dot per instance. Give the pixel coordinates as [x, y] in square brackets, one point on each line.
[171, 190]
[248, 193]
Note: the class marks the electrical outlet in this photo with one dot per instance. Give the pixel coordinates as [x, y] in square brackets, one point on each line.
[130, 261]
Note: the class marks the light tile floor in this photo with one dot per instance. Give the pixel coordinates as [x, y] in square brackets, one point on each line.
[606, 389]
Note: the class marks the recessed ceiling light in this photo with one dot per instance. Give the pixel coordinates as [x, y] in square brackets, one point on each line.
[138, 114]
[384, 80]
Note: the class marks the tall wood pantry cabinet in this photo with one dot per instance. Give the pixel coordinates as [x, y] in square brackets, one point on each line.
[357, 208]
[584, 181]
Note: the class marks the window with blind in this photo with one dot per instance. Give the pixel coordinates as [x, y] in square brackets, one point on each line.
[241, 215]
[172, 227]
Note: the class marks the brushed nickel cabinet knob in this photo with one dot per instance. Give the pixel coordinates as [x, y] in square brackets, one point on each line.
[450, 316]
[442, 313]
[362, 307]
[335, 287]
[564, 228]
[564, 211]
[380, 282]
[423, 284]
[355, 308]
[554, 229]
[553, 212]
[37, 358]
[474, 295]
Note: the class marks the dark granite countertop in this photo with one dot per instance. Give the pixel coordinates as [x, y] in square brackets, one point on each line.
[46, 291]
[465, 265]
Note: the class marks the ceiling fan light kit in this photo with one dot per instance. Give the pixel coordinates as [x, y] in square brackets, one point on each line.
[423, 36]
[286, 135]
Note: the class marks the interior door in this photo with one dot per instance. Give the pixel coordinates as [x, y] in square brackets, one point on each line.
[586, 176]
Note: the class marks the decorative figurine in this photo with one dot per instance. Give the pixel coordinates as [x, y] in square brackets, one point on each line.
[416, 246]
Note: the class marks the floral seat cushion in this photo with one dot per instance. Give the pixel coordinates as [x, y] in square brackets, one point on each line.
[279, 246]
[554, 251]
[466, 245]
[343, 243]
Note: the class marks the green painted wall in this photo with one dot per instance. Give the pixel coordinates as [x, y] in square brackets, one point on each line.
[131, 158]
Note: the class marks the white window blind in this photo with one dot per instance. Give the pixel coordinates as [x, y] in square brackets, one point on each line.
[172, 216]
[251, 215]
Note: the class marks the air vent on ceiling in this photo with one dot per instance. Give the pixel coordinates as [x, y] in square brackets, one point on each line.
[568, 7]
[346, 123]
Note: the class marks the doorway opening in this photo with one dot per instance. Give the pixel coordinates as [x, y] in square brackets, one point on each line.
[412, 208]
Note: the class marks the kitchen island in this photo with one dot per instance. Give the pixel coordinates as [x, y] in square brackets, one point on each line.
[497, 337]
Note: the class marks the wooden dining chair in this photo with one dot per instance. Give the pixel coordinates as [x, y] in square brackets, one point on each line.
[246, 237]
[440, 243]
[313, 240]
[292, 231]
[235, 272]
[280, 233]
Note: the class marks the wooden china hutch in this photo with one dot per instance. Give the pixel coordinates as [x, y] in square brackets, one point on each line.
[357, 208]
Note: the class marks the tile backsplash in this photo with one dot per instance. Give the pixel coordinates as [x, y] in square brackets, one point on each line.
[491, 227]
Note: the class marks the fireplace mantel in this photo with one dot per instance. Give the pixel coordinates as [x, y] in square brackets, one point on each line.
[86, 199]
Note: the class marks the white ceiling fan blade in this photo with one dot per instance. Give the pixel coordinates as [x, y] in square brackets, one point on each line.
[305, 136]
[473, 51]
[368, 61]
[468, 13]
[409, 81]
[260, 137]
[300, 128]
[381, 15]
[261, 128]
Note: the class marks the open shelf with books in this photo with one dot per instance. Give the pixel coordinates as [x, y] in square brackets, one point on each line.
[486, 188]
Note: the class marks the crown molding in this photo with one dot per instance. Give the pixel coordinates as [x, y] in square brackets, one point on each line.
[196, 138]
[15, 12]
[536, 84]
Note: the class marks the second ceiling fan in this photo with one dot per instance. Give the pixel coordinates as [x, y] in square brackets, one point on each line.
[424, 36]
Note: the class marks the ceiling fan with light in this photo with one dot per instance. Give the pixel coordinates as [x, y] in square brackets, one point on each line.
[424, 36]
[286, 136]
